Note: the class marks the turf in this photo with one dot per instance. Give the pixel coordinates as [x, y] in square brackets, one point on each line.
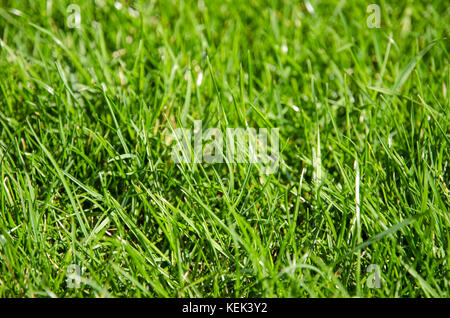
[87, 176]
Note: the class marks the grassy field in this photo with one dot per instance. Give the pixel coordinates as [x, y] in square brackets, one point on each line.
[88, 181]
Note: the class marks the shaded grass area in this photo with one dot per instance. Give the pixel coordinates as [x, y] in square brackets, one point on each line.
[87, 176]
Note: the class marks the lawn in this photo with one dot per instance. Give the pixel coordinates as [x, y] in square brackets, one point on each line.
[94, 204]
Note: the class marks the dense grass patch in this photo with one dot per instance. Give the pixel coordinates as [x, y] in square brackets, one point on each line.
[87, 176]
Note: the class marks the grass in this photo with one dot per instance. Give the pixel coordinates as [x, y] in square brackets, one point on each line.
[87, 176]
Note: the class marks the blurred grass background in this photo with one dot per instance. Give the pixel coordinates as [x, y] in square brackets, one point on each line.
[87, 177]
